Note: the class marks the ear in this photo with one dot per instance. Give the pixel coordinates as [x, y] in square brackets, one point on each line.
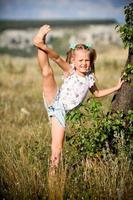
[73, 59]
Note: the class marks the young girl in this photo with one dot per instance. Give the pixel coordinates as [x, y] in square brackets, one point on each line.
[79, 79]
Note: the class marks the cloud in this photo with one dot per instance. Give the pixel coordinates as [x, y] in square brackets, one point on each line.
[81, 9]
[102, 9]
[53, 9]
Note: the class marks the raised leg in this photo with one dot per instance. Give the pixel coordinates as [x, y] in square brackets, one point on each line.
[48, 80]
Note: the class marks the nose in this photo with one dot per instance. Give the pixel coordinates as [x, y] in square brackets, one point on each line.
[83, 62]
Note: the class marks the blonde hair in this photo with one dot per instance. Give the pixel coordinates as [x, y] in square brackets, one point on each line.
[92, 54]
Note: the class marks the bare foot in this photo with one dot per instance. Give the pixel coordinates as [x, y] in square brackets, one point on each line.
[40, 36]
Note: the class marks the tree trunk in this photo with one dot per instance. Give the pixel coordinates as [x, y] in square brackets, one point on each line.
[123, 99]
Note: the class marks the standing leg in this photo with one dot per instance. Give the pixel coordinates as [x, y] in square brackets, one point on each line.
[58, 133]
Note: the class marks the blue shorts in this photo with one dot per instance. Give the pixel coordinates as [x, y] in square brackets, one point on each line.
[56, 109]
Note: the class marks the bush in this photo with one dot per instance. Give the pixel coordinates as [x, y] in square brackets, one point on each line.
[94, 133]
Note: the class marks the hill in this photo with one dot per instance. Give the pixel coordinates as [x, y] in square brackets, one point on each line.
[25, 24]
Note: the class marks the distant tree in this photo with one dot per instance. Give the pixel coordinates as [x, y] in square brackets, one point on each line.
[123, 99]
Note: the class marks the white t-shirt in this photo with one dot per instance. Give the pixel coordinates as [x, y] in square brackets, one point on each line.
[74, 89]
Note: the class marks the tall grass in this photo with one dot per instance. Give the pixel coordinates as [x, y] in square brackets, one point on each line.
[25, 143]
[98, 179]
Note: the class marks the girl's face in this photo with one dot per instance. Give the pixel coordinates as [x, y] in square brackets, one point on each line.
[81, 61]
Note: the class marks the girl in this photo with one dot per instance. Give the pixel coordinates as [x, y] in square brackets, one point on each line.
[79, 79]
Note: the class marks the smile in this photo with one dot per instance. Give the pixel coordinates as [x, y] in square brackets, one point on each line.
[83, 66]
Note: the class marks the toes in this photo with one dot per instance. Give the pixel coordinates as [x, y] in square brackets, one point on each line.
[41, 33]
[45, 28]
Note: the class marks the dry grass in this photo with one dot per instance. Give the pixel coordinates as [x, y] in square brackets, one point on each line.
[110, 178]
[25, 139]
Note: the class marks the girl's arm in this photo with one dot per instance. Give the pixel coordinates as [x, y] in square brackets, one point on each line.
[55, 57]
[101, 93]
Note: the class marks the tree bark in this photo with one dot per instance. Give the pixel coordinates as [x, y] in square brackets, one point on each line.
[123, 99]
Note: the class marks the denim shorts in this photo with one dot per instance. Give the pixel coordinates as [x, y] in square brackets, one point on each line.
[56, 109]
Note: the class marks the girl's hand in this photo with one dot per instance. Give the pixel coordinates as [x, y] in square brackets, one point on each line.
[120, 82]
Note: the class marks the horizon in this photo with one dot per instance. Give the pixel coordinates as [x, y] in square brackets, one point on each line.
[31, 23]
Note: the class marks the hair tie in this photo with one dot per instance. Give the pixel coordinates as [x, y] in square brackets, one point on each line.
[89, 45]
[72, 46]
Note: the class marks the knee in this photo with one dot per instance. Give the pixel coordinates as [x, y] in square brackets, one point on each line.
[47, 73]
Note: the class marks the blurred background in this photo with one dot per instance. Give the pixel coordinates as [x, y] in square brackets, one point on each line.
[24, 126]
[84, 21]
[76, 21]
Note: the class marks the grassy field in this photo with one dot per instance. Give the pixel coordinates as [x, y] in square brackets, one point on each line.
[25, 139]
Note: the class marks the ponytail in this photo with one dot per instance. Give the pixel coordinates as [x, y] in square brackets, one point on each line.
[93, 68]
[69, 55]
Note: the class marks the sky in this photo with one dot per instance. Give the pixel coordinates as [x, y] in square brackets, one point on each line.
[63, 9]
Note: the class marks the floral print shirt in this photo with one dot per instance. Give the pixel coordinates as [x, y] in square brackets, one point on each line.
[74, 89]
